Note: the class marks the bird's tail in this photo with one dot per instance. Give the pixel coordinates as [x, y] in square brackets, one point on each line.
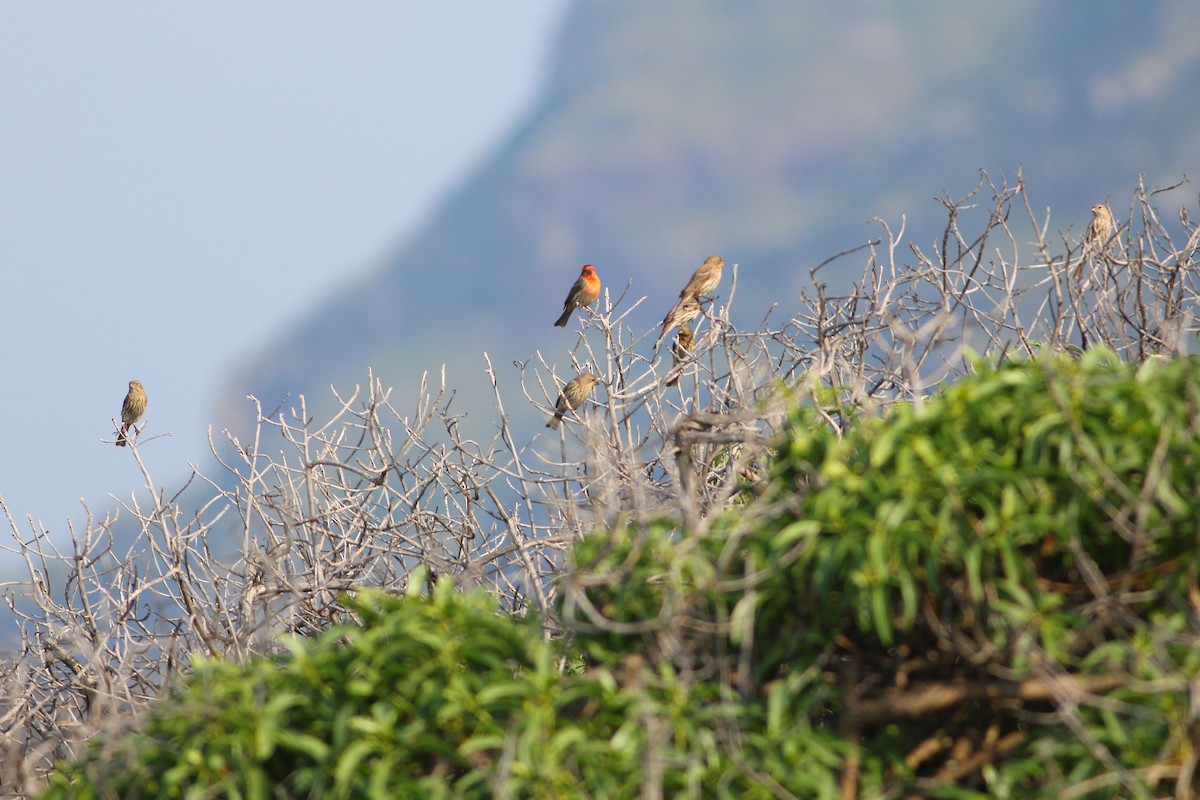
[121, 440]
[565, 318]
[661, 336]
[554, 421]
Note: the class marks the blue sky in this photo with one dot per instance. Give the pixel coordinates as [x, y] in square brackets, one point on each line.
[178, 182]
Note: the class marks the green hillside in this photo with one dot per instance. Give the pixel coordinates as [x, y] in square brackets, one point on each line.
[767, 132]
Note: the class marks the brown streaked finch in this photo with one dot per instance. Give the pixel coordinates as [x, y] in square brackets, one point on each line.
[681, 348]
[583, 293]
[573, 395]
[705, 278]
[131, 410]
[1097, 239]
[684, 311]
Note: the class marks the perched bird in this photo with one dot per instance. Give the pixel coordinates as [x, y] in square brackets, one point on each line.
[573, 395]
[684, 311]
[1098, 237]
[583, 293]
[705, 278]
[681, 348]
[131, 410]
[1101, 229]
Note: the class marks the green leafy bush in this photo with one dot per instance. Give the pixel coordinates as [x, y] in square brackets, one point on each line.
[419, 699]
[993, 585]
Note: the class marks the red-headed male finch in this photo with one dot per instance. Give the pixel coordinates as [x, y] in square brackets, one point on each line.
[1098, 237]
[131, 410]
[583, 293]
[684, 311]
[573, 395]
[681, 348]
[705, 278]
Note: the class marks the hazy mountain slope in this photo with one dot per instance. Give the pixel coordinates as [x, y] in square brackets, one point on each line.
[768, 132]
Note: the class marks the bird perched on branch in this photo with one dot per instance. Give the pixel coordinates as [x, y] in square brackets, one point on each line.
[1098, 237]
[583, 293]
[705, 278]
[681, 348]
[684, 311]
[573, 395]
[131, 410]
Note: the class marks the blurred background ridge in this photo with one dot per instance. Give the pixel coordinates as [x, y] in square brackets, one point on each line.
[763, 131]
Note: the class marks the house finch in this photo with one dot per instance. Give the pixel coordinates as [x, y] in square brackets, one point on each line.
[573, 396]
[583, 293]
[705, 278]
[681, 348]
[684, 311]
[1098, 237]
[131, 410]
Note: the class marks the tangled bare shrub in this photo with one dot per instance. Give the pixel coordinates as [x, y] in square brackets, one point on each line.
[303, 512]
